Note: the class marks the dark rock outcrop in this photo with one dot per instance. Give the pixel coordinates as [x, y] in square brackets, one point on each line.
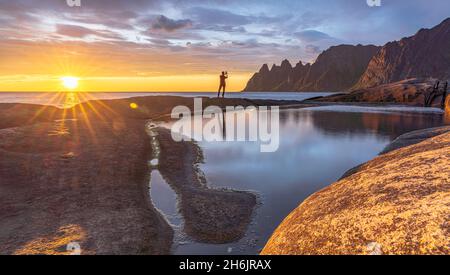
[408, 92]
[336, 69]
[426, 54]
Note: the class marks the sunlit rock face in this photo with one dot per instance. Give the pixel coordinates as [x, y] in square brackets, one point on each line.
[397, 203]
[426, 54]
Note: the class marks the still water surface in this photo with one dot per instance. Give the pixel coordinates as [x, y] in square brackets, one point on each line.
[317, 146]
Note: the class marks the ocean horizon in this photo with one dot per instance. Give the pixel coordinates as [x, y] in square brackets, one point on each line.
[50, 98]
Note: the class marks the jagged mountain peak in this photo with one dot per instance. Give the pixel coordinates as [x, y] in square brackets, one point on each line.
[264, 69]
[286, 64]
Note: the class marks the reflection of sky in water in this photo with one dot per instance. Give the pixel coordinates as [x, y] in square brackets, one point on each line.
[316, 148]
[164, 197]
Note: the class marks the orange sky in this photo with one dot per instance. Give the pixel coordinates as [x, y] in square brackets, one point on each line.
[183, 45]
[103, 67]
[181, 83]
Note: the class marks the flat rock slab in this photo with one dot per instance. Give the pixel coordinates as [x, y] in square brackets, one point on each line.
[78, 181]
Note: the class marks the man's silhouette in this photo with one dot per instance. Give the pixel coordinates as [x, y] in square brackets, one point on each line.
[223, 83]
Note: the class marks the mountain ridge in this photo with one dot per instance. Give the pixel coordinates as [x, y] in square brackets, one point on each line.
[341, 68]
[335, 69]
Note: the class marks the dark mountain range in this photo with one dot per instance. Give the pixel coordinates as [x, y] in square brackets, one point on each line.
[336, 69]
[346, 67]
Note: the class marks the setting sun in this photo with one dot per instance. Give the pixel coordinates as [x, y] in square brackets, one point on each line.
[69, 82]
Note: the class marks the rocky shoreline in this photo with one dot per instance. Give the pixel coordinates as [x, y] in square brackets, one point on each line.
[81, 175]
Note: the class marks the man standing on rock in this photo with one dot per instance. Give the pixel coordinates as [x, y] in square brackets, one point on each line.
[223, 83]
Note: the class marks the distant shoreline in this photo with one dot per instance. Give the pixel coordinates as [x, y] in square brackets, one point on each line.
[58, 100]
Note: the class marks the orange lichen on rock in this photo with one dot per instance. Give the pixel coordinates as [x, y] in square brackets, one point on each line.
[58, 243]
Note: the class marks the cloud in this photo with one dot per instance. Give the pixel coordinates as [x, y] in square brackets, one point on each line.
[73, 31]
[210, 16]
[159, 42]
[309, 36]
[312, 49]
[122, 20]
[222, 28]
[220, 20]
[164, 23]
[76, 31]
[311, 19]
